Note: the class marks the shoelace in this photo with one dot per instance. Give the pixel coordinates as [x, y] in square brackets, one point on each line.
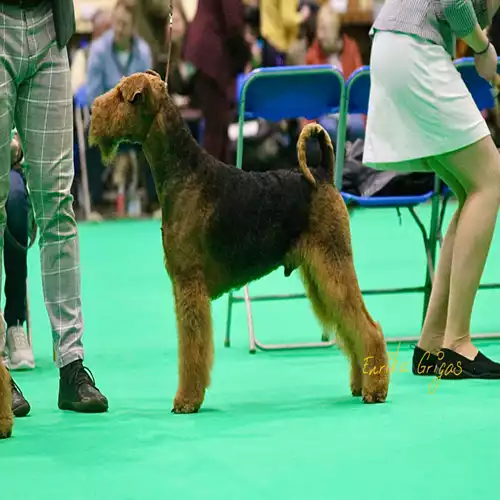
[81, 375]
[20, 338]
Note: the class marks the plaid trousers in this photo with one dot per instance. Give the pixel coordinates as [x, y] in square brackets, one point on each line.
[35, 94]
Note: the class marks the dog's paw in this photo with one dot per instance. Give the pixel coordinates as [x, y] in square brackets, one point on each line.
[356, 381]
[356, 391]
[374, 397]
[184, 408]
[6, 427]
[356, 384]
[6, 434]
[185, 405]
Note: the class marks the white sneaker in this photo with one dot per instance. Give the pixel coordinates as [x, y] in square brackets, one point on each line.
[3, 344]
[20, 352]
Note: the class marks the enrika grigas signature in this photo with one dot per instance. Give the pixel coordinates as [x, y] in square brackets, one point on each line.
[444, 369]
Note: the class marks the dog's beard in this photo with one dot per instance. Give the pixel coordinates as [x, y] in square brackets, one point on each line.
[108, 148]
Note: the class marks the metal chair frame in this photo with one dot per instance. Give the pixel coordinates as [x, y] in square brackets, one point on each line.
[28, 316]
[274, 73]
[82, 119]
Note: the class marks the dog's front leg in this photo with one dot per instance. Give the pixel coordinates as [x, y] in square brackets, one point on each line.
[194, 325]
[6, 416]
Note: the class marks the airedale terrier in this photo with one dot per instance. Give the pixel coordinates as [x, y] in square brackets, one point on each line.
[6, 415]
[223, 228]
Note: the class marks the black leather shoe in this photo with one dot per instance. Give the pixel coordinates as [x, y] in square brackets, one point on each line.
[77, 390]
[424, 362]
[20, 406]
[454, 366]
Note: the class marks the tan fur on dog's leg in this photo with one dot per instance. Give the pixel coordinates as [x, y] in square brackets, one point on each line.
[359, 335]
[6, 416]
[325, 253]
[356, 379]
[196, 348]
[321, 311]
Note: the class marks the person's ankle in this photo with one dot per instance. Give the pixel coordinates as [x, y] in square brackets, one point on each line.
[64, 370]
[463, 347]
[16, 323]
[433, 348]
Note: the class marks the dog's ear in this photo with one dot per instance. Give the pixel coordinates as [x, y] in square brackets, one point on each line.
[137, 91]
[152, 72]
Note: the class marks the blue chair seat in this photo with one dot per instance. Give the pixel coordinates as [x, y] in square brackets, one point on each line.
[287, 92]
[356, 98]
[479, 88]
[387, 201]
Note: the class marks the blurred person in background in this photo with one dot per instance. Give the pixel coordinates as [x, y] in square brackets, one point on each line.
[36, 97]
[494, 32]
[117, 53]
[297, 52]
[280, 23]
[152, 24]
[15, 253]
[101, 22]
[216, 48]
[151, 21]
[331, 47]
[263, 53]
[181, 72]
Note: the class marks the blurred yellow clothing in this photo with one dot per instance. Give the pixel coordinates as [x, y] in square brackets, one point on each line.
[279, 22]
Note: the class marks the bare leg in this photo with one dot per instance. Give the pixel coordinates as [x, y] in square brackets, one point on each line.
[435, 322]
[196, 348]
[477, 167]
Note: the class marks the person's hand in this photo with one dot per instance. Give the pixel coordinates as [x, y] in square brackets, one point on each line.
[305, 13]
[15, 152]
[486, 64]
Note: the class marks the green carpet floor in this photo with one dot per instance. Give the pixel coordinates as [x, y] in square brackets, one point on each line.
[274, 425]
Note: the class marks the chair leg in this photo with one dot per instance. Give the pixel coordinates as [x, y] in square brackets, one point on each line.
[251, 331]
[87, 208]
[430, 242]
[227, 340]
[28, 316]
[254, 343]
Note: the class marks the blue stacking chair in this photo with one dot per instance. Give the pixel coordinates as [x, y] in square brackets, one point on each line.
[356, 102]
[275, 94]
[481, 91]
[82, 118]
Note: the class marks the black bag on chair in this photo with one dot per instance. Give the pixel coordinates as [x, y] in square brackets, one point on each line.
[360, 180]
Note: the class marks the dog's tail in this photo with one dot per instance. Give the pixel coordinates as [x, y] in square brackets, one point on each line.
[326, 147]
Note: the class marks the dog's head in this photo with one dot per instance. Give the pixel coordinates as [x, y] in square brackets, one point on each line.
[126, 113]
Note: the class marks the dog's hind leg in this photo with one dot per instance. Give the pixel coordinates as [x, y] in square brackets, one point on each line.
[338, 302]
[6, 416]
[321, 311]
[196, 348]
